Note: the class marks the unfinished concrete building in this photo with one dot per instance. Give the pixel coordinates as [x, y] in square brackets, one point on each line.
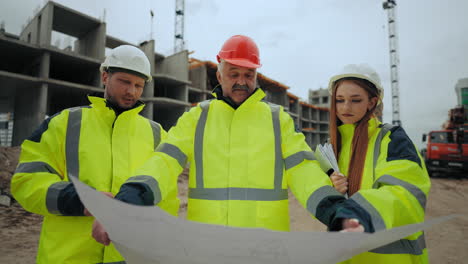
[39, 79]
[320, 97]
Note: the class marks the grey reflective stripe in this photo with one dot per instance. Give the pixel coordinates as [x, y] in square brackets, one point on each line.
[247, 194]
[378, 141]
[279, 165]
[414, 190]
[403, 246]
[198, 151]
[151, 182]
[174, 152]
[36, 166]
[377, 219]
[388, 179]
[156, 133]
[52, 196]
[297, 158]
[318, 195]
[72, 141]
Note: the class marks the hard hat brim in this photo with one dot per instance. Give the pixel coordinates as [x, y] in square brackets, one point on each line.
[353, 75]
[148, 78]
[128, 57]
[336, 78]
[243, 63]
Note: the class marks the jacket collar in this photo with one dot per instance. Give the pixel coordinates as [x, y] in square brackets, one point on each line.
[347, 130]
[101, 103]
[257, 95]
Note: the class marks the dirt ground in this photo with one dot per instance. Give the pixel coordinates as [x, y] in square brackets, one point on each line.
[447, 242]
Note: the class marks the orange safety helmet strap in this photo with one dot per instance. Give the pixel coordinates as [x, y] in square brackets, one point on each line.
[241, 51]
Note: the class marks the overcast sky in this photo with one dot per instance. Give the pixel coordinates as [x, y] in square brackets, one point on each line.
[303, 43]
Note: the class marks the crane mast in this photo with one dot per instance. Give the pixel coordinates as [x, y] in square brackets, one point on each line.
[390, 5]
[179, 42]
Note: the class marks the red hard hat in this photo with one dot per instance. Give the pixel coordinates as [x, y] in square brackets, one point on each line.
[241, 51]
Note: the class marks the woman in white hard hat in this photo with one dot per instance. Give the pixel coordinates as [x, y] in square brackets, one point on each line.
[384, 175]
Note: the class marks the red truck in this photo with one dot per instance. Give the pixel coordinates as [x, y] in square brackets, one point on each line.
[447, 149]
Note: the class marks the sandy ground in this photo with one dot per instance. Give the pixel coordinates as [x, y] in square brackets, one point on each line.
[447, 242]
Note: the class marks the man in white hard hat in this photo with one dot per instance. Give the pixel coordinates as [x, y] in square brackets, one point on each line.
[101, 144]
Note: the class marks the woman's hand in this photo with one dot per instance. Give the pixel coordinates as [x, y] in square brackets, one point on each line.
[352, 225]
[340, 182]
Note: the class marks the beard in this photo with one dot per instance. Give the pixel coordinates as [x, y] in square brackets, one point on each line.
[117, 106]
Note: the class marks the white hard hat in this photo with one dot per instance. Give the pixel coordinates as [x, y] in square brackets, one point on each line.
[130, 58]
[361, 71]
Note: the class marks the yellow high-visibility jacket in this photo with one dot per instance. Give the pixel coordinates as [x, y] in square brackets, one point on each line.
[102, 150]
[242, 162]
[394, 190]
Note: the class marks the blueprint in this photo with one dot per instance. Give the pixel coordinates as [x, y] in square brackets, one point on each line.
[146, 234]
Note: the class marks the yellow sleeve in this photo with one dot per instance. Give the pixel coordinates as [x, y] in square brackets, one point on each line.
[401, 184]
[309, 184]
[39, 175]
[170, 158]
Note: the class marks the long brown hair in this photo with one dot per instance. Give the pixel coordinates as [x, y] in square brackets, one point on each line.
[360, 138]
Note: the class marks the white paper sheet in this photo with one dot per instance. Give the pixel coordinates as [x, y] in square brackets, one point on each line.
[149, 235]
[326, 158]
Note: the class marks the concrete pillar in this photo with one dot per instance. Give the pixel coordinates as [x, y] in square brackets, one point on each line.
[45, 27]
[30, 109]
[184, 93]
[39, 30]
[148, 49]
[31, 105]
[97, 79]
[198, 77]
[176, 65]
[44, 65]
[93, 44]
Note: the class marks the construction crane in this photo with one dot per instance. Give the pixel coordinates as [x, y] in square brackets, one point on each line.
[390, 5]
[179, 42]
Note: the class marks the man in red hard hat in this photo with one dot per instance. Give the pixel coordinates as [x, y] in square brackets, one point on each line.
[244, 154]
[237, 70]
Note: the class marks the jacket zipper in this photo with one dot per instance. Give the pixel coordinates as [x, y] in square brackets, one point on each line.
[112, 153]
